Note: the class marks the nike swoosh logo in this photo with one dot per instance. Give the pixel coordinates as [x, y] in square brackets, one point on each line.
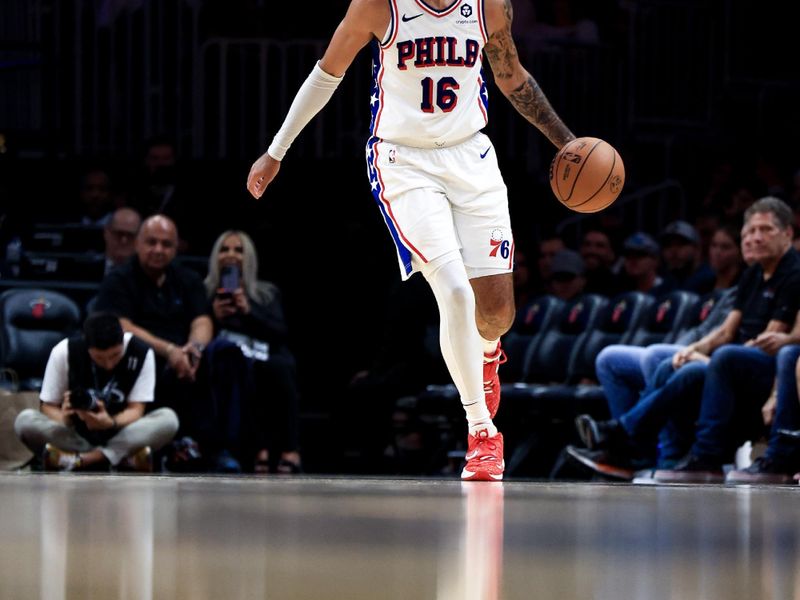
[406, 19]
[485, 152]
[471, 455]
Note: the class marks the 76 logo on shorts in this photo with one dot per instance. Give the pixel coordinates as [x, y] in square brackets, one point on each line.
[499, 245]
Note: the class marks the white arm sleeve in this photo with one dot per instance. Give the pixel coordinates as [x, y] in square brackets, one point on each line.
[312, 96]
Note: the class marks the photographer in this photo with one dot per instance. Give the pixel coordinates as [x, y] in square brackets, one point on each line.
[93, 401]
[165, 305]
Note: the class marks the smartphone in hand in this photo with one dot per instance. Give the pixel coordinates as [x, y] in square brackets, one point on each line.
[229, 282]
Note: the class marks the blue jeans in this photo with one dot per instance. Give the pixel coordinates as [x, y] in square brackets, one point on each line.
[624, 371]
[787, 412]
[671, 405]
[737, 384]
[652, 358]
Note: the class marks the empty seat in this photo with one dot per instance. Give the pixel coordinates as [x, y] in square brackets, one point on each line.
[533, 320]
[548, 361]
[542, 413]
[32, 322]
[667, 318]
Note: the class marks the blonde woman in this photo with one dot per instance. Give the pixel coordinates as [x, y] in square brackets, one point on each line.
[252, 372]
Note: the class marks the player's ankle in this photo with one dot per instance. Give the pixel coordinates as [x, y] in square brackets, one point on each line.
[474, 428]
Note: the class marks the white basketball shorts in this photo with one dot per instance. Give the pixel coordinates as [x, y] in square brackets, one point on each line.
[441, 200]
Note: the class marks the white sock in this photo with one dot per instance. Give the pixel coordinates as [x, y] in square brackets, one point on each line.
[459, 338]
[490, 347]
[474, 428]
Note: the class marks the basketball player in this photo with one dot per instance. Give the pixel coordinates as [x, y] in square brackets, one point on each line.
[434, 175]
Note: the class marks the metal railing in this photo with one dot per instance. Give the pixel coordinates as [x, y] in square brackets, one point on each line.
[647, 209]
[99, 77]
[117, 73]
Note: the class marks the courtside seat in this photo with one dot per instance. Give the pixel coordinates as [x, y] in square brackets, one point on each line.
[548, 360]
[670, 315]
[532, 322]
[623, 314]
[32, 321]
[544, 411]
[701, 311]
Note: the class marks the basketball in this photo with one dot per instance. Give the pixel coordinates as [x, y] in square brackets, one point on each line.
[587, 174]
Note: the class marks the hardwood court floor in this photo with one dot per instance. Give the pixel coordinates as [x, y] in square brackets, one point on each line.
[102, 537]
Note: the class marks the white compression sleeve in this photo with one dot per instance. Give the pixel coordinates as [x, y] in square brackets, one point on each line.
[312, 96]
[459, 339]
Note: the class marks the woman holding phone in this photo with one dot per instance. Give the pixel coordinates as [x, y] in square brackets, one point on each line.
[252, 373]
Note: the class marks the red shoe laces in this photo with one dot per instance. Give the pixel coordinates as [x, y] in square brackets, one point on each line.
[485, 445]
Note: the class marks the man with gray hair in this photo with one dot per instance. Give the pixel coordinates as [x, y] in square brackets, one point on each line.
[727, 375]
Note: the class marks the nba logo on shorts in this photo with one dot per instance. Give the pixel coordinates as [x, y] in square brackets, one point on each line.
[392, 155]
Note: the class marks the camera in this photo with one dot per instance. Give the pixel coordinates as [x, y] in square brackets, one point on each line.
[229, 281]
[83, 399]
[86, 399]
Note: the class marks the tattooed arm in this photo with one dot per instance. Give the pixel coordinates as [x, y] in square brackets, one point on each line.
[514, 81]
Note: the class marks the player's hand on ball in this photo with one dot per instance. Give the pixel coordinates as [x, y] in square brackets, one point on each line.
[261, 174]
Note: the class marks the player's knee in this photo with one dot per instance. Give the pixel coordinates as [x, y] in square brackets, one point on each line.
[504, 317]
[499, 313]
[461, 298]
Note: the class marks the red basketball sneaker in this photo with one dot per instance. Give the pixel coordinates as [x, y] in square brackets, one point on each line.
[484, 457]
[491, 382]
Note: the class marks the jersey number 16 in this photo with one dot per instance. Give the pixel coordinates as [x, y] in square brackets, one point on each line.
[446, 98]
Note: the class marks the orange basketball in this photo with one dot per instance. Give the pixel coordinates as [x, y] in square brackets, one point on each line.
[587, 174]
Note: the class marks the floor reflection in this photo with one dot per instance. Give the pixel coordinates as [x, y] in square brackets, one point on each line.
[64, 537]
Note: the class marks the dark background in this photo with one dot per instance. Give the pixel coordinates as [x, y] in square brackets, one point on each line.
[677, 86]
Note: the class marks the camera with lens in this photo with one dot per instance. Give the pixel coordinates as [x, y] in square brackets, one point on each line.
[83, 399]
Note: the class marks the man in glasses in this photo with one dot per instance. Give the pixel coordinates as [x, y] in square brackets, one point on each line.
[120, 237]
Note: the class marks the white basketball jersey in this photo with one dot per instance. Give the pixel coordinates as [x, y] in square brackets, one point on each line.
[429, 90]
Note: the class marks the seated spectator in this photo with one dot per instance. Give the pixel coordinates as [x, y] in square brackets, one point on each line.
[567, 280]
[161, 188]
[681, 257]
[782, 458]
[119, 235]
[640, 266]
[725, 257]
[95, 198]
[706, 223]
[548, 247]
[165, 306]
[251, 370]
[626, 372]
[598, 256]
[720, 380]
[523, 280]
[93, 400]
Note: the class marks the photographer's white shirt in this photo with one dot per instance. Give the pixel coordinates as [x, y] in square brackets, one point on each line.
[56, 375]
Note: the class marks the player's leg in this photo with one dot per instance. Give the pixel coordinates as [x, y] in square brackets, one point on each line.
[494, 305]
[461, 348]
[419, 217]
[494, 315]
[458, 336]
[483, 226]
